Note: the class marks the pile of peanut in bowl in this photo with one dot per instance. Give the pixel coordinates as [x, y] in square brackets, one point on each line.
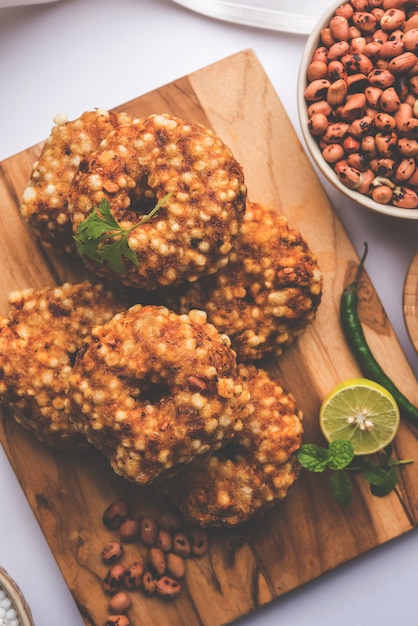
[358, 102]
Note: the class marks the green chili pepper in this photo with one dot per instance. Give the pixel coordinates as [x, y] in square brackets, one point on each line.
[354, 333]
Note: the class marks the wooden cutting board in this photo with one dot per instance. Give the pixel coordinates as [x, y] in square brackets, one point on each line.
[308, 533]
[410, 301]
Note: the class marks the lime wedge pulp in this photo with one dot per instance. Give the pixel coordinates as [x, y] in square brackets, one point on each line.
[362, 412]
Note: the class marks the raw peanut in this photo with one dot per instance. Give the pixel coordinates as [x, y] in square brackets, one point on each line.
[339, 27]
[413, 85]
[386, 144]
[129, 530]
[199, 541]
[148, 530]
[384, 167]
[355, 32]
[394, 4]
[402, 115]
[181, 544]
[345, 10]
[164, 540]
[410, 128]
[317, 90]
[392, 19]
[380, 36]
[411, 23]
[350, 144]
[405, 169]
[384, 122]
[321, 106]
[112, 552]
[318, 124]
[373, 96]
[356, 83]
[114, 578]
[382, 78]
[389, 100]
[368, 146]
[148, 583]
[358, 45]
[115, 514]
[354, 107]
[326, 37]
[382, 194]
[359, 161]
[391, 49]
[335, 71]
[133, 575]
[411, 40]
[338, 50]
[337, 92]
[168, 587]
[361, 127]
[157, 560]
[335, 132]
[119, 603]
[357, 63]
[350, 177]
[170, 520]
[378, 13]
[372, 49]
[316, 70]
[360, 5]
[365, 21]
[333, 152]
[175, 565]
[367, 182]
[405, 198]
[413, 180]
[402, 63]
[320, 54]
[408, 147]
[396, 35]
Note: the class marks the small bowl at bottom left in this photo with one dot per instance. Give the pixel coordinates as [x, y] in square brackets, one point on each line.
[14, 610]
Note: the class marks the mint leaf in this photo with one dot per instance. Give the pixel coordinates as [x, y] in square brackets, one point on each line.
[341, 453]
[313, 457]
[340, 486]
[382, 480]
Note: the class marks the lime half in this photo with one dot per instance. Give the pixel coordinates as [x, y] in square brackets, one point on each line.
[362, 412]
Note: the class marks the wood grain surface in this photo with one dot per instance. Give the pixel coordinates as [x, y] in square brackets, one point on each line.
[307, 534]
[410, 301]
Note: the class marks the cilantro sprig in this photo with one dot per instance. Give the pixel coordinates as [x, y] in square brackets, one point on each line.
[101, 238]
[339, 460]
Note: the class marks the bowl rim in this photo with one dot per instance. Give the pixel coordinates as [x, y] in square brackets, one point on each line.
[16, 596]
[327, 171]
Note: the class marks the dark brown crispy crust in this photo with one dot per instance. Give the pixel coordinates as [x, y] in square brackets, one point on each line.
[44, 203]
[38, 343]
[251, 473]
[266, 295]
[154, 391]
[192, 233]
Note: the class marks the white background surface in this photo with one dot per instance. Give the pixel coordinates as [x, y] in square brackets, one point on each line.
[74, 55]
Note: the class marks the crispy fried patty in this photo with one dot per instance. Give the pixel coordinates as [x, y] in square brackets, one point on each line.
[154, 391]
[44, 202]
[266, 295]
[138, 165]
[38, 343]
[254, 470]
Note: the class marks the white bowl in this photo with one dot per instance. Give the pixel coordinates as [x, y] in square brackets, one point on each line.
[311, 45]
[17, 598]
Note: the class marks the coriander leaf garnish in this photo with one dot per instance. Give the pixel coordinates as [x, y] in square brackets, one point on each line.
[101, 238]
[340, 461]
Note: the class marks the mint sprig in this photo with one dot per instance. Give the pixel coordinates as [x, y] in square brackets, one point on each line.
[339, 459]
[101, 238]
